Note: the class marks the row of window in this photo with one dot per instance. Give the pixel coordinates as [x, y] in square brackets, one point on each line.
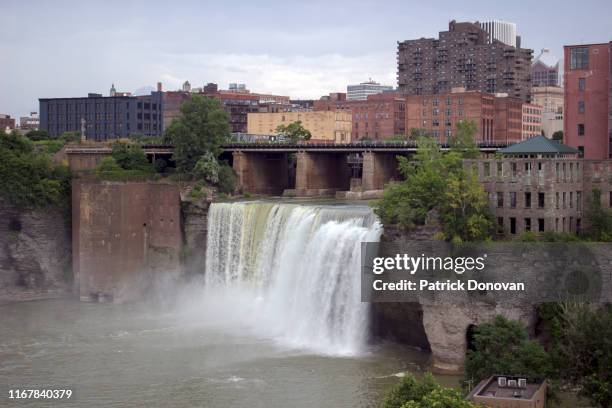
[562, 200]
[561, 225]
[564, 172]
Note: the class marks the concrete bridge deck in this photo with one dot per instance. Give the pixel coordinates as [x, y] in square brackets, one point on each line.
[318, 168]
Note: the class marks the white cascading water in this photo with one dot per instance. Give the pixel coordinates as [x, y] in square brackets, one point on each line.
[300, 266]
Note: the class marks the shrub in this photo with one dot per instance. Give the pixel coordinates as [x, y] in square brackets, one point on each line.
[227, 179]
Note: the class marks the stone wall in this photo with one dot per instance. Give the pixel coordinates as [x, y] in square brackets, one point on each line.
[35, 253]
[126, 238]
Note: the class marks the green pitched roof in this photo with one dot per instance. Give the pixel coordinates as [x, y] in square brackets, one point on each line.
[539, 145]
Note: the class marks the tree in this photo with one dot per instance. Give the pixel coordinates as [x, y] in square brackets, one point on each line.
[558, 135]
[417, 134]
[598, 220]
[581, 347]
[227, 179]
[203, 127]
[503, 346]
[294, 131]
[29, 178]
[36, 135]
[410, 393]
[207, 168]
[130, 157]
[440, 183]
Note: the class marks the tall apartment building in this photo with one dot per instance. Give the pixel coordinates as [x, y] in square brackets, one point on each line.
[498, 119]
[324, 126]
[6, 122]
[532, 120]
[379, 117]
[550, 98]
[361, 91]
[463, 56]
[545, 69]
[103, 117]
[588, 99]
[501, 31]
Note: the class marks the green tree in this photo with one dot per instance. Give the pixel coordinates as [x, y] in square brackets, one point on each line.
[411, 393]
[227, 179]
[598, 220]
[36, 135]
[294, 131]
[29, 178]
[503, 346]
[108, 164]
[130, 157]
[439, 183]
[581, 347]
[203, 127]
[558, 135]
[207, 168]
[417, 134]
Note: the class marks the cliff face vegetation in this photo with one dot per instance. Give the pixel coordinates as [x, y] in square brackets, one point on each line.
[35, 252]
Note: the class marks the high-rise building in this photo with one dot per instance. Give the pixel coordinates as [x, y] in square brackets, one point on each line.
[501, 31]
[463, 57]
[588, 99]
[103, 117]
[550, 98]
[361, 91]
[545, 69]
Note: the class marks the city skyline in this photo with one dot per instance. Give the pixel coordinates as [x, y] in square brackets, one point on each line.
[295, 49]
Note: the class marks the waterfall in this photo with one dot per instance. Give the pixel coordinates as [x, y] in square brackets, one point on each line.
[300, 265]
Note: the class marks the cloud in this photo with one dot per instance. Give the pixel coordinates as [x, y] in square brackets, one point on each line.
[297, 76]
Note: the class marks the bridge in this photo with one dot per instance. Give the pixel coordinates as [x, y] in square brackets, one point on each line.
[301, 169]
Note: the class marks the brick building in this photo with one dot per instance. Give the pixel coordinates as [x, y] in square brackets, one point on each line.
[103, 117]
[6, 122]
[380, 116]
[237, 104]
[498, 119]
[541, 185]
[324, 126]
[31, 122]
[588, 94]
[463, 56]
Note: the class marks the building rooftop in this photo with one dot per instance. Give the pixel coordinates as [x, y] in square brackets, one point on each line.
[538, 145]
[546, 58]
[507, 387]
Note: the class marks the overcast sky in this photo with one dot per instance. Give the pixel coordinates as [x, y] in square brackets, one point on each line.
[303, 49]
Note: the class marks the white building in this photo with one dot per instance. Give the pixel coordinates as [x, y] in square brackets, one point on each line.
[360, 92]
[500, 30]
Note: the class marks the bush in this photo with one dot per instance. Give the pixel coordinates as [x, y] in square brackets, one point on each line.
[410, 393]
[28, 177]
[131, 157]
[503, 346]
[227, 179]
[207, 167]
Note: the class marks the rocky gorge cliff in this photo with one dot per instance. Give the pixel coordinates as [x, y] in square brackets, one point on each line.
[35, 253]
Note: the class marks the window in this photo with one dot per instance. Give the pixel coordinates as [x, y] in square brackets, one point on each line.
[579, 58]
[564, 197]
[581, 84]
[499, 169]
[500, 225]
[541, 200]
[571, 199]
[580, 106]
[579, 200]
[514, 169]
[486, 169]
[527, 224]
[512, 225]
[581, 129]
[540, 224]
[512, 199]
[557, 201]
[527, 200]
[500, 199]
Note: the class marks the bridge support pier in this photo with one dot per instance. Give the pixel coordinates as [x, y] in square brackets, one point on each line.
[321, 173]
[378, 169]
[261, 172]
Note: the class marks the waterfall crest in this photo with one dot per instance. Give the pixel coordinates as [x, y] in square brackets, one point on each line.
[300, 264]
